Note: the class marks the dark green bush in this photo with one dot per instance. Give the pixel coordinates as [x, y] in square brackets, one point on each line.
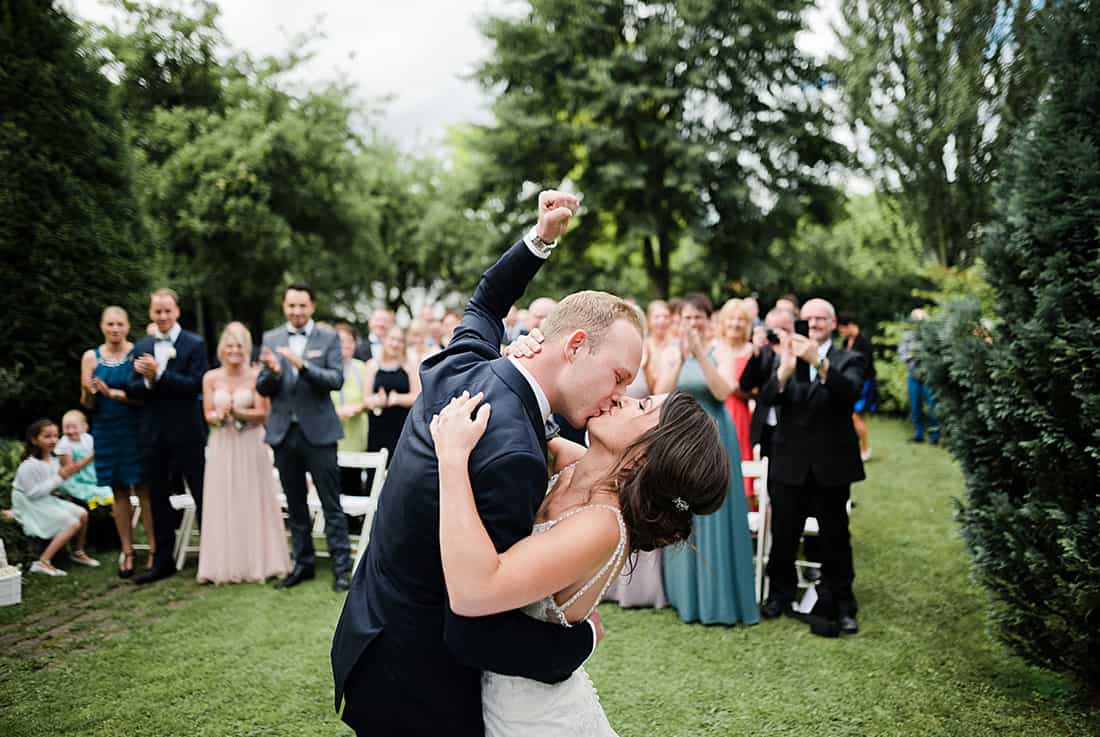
[1019, 396]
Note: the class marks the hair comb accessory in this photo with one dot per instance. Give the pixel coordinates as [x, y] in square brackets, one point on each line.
[680, 504]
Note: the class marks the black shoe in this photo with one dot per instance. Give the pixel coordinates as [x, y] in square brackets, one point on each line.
[813, 575]
[934, 441]
[341, 583]
[156, 574]
[299, 574]
[777, 606]
[848, 624]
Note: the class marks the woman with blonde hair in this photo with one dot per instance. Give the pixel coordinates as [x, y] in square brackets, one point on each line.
[104, 371]
[735, 331]
[242, 527]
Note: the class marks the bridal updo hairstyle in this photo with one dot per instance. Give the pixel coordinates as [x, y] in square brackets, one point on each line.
[677, 469]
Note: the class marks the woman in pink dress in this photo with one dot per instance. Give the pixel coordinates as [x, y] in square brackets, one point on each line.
[242, 527]
[735, 330]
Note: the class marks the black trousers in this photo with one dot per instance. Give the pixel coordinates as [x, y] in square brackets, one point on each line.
[791, 505]
[163, 464]
[293, 457]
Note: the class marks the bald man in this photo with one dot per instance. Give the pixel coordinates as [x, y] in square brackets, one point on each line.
[813, 462]
[539, 310]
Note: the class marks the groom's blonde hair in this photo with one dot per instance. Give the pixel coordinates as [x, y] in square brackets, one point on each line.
[593, 312]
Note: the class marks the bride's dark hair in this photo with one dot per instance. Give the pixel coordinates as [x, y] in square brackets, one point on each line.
[677, 469]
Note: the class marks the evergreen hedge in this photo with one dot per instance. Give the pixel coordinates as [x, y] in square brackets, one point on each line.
[1019, 396]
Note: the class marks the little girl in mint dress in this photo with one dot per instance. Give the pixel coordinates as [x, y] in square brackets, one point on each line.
[77, 447]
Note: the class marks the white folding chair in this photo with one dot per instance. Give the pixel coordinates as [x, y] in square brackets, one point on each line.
[759, 521]
[809, 597]
[182, 545]
[356, 506]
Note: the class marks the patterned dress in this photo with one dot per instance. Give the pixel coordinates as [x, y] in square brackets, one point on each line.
[115, 427]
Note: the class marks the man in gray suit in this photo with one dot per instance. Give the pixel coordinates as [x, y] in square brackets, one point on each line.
[301, 364]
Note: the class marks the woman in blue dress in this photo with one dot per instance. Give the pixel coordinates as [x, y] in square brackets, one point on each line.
[713, 583]
[115, 429]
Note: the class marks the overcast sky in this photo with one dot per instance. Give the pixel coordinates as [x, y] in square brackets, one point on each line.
[418, 53]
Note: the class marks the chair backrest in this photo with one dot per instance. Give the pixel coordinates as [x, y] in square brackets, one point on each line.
[376, 460]
[758, 471]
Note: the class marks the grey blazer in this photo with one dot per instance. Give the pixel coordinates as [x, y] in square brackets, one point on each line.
[304, 394]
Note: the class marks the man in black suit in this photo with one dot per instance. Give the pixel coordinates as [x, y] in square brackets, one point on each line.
[167, 377]
[814, 460]
[403, 662]
[301, 366]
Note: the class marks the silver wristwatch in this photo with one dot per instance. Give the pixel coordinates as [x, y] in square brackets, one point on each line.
[537, 243]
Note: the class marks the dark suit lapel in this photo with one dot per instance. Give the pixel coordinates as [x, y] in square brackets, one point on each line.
[511, 376]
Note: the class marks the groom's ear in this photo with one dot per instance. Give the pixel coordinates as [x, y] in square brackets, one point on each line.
[573, 344]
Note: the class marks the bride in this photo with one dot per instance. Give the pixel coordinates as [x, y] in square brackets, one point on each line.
[653, 464]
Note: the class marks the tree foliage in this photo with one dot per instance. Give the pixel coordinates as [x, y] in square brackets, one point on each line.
[1020, 396]
[694, 122]
[69, 241]
[938, 89]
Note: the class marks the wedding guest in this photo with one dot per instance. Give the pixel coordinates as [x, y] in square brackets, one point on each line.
[416, 344]
[40, 513]
[395, 387]
[76, 451]
[674, 306]
[735, 324]
[922, 403]
[242, 526]
[788, 302]
[451, 320]
[855, 340]
[539, 310]
[167, 377]
[379, 322]
[116, 431]
[658, 336]
[351, 408]
[301, 367]
[712, 583]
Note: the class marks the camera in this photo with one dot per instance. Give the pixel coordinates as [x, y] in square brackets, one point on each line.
[772, 337]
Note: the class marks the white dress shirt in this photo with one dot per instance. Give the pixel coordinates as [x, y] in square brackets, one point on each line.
[163, 346]
[298, 338]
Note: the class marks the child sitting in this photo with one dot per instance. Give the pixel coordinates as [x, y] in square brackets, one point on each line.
[39, 512]
[76, 451]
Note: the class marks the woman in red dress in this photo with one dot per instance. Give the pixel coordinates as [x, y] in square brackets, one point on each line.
[735, 330]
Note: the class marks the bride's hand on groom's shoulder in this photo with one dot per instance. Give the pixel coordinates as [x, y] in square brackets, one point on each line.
[525, 346]
[456, 429]
[555, 209]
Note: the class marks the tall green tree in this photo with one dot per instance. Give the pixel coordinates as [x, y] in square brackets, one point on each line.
[937, 88]
[244, 185]
[69, 244]
[1020, 396]
[696, 121]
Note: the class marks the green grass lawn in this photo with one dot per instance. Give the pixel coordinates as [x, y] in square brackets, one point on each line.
[92, 655]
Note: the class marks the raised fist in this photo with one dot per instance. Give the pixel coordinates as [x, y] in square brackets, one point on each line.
[555, 209]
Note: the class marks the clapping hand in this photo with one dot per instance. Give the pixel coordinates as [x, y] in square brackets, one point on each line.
[805, 349]
[146, 365]
[268, 359]
[691, 344]
[454, 432]
[295, 360]
[555, 209]
[787, 358]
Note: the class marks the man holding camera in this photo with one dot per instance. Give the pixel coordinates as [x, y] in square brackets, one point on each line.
[814, 458]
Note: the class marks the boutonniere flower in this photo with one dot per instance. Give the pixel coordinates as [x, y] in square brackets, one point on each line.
[171, 353]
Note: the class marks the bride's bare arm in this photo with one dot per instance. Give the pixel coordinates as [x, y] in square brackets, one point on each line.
[481, 581]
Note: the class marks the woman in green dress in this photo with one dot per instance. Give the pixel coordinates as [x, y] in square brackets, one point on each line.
[712, 583]
[352, 401]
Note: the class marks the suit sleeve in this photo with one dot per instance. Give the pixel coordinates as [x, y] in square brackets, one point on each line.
[500, 287]
[845, 383]
[327, 375]
[753, 377]
[135, 384]
[512, 643]
[267, 383]
[184, 382]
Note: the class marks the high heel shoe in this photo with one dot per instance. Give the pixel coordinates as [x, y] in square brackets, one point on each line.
[126, 567]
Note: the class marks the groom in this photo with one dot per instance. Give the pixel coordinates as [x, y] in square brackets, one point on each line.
[403, 662]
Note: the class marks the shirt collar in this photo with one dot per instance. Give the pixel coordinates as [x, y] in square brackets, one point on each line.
[307, 329]
[823, 349]
[173, 333]
[540, 395]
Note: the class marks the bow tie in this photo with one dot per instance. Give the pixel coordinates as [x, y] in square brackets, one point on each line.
[162, 339]
[302, 333]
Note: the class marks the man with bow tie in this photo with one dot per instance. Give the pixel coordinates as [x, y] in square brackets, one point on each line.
[167, 377]
[301, 365]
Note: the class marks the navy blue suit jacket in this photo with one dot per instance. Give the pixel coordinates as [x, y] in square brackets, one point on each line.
[172, 414]
[424, 659]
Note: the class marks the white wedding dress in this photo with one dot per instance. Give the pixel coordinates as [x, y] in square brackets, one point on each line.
[513, 706]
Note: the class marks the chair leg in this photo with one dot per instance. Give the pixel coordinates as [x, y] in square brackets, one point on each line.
[183, 539]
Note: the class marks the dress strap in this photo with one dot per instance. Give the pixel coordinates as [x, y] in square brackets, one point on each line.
[609, 566]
